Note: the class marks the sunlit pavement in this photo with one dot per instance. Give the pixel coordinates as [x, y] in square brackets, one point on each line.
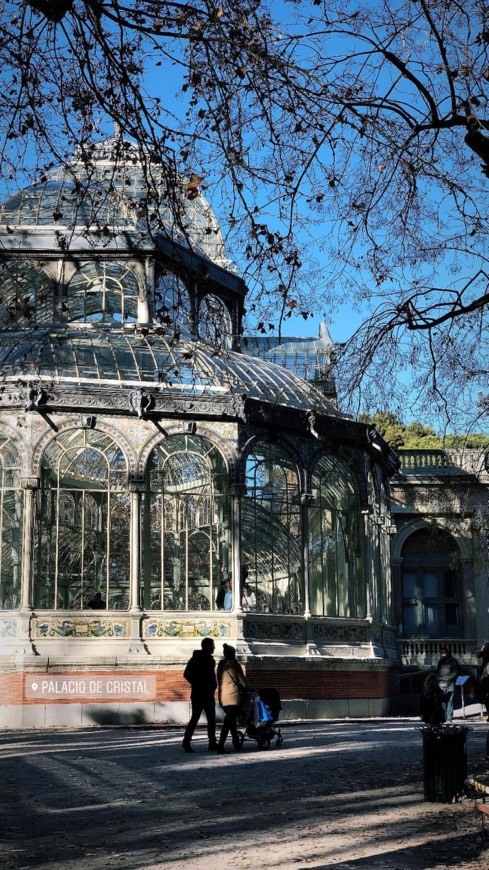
[347, 795]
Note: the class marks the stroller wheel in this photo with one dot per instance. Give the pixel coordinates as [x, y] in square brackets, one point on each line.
[279, 742]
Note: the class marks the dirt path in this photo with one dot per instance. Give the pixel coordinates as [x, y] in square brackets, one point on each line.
[343, 795]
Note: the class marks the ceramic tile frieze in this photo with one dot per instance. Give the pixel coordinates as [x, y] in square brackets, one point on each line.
[52, 627]
[156, 628]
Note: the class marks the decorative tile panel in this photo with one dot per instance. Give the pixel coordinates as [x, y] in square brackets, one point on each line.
[8, 628]
[341, 633]
[274, 630]
[92, 628]
[156, 628]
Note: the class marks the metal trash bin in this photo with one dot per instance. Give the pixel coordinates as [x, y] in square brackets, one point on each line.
[444, 762]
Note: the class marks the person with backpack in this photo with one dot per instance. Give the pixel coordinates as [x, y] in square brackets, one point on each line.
[200, 673]
[231, 682]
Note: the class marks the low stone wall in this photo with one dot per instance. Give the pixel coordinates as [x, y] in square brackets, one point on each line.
[47, 694]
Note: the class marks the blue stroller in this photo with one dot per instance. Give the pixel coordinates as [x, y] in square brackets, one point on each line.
[259, 713]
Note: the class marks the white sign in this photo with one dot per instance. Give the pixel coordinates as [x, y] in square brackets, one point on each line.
[89, 686]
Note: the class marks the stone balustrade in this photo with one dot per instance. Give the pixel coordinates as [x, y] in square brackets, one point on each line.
[431, 461]
[418, 650]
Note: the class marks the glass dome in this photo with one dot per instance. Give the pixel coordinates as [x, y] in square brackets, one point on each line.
[113, 192]
[135, 308]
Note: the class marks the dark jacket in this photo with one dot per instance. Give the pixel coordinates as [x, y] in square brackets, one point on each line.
[431, 705]
[200, 672]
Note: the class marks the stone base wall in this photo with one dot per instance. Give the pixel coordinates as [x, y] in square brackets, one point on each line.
[47, 695]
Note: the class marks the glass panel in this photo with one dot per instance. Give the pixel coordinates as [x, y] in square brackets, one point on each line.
[271, 531]
[172, 304]
[336, 542]
[432, 619]
[410, 618]
[410, 585]
[430, 584]
[28, 294]
[65, 358]
[449, 584]
[451, 616]
[214, 322]
[118, 562]
[11, 548]
[103, 291]
[11, 524]
[186, 525]
[45, 550]
[86, 361]
[82, 523]
[106, 360]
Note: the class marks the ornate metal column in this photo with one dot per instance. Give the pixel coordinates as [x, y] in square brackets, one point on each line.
[135, 488]
[24, 645]
[236, 495]
[136, 644]
[306, 501]
[29, 486]
[367, 564]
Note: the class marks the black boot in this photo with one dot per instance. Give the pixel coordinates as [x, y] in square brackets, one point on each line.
[186, 746]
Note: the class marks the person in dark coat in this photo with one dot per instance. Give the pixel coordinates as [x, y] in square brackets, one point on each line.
[221, 594]
[200, 672]
[447, 670]
[431, 707]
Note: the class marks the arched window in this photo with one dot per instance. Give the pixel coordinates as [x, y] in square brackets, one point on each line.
[431, 585]
[27, 294]
[172, 305]
[271, 530]
[11, 518]
[82, 523]
[103, 292]
[214, 322]
[336, 541]
[186, 525]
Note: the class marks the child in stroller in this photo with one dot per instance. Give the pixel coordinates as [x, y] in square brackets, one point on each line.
[259, 713]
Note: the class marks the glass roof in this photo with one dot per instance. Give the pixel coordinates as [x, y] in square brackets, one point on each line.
[114, 195]
[123, 356]
[309, 358]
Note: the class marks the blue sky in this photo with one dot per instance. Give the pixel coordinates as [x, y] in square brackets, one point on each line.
[342, 319]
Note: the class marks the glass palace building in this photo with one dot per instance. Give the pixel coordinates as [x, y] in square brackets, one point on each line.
[148, 453]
